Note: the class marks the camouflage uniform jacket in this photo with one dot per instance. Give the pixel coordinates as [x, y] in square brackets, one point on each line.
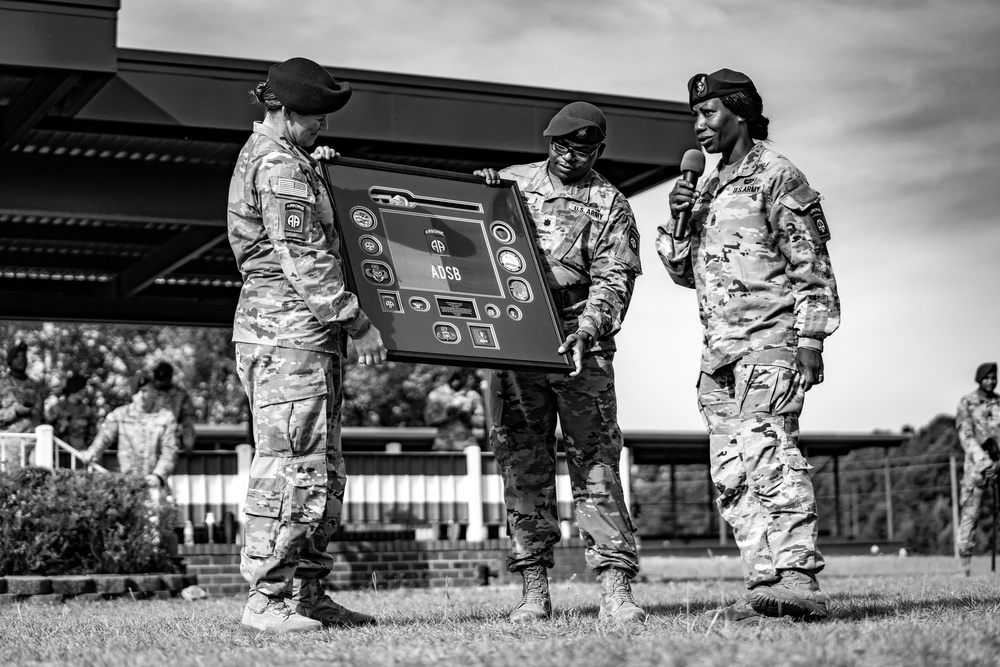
[14, 391]
[146, 441]
[73, 423]
[282, 231]
[978, 420]
[587, 234]
[178, 403]
[757, 257]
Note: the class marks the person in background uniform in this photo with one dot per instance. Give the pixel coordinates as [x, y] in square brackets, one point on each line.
[290, 324]
[178, 401]
[144, 434]
[978, 423]
[21, 402]
[71, 415]
[455, 407]
[587, 233]
[756, 254]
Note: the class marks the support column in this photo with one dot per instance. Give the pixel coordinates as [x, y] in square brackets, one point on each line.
[244, 456]
[837, 510]
[890, 532]
[953, 466]
[475, 531]
[625, 472]
[45, 447]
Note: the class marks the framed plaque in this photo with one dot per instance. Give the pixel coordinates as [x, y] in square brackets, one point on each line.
[445, 266]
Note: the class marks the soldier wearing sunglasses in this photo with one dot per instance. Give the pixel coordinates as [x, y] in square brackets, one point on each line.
[586, 230]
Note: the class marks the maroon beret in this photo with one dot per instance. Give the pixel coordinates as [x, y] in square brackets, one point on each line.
[306, 87]
[724, 82]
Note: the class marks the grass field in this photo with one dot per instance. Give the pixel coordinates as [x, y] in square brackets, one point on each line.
[888, 611]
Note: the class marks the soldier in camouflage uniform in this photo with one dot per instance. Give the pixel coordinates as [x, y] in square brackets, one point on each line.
[756, 254]
[293, 313]
[21, 403]
[978, 423]
[587, 234]
[178, 401]
[71, 415]
[144, 434]
[456, 409]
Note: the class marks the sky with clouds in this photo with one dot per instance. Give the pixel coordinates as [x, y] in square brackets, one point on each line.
[890, 107]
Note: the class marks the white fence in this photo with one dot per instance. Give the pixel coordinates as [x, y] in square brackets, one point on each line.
[422, 490]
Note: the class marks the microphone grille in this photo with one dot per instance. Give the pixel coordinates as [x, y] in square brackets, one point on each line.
[693, 160]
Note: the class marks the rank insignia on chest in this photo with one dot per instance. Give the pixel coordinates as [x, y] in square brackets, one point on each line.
[293, 214]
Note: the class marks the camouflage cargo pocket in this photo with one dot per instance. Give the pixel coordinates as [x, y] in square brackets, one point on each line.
[263, 517]
[292, 418]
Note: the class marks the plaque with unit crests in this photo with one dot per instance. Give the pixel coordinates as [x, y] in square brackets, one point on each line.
[445, 266]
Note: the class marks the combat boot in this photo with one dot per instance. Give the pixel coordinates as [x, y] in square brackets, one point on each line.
[739, 612]
[310, 600]
[967, 565]
[616, 598]
[277, 618]
[535, 603]
[797, 594]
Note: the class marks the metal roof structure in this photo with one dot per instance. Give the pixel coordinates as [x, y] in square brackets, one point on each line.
[115, 163]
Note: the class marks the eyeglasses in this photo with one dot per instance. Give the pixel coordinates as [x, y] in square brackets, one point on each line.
[578, 153]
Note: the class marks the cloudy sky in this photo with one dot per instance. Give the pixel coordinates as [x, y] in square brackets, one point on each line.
[890, 107]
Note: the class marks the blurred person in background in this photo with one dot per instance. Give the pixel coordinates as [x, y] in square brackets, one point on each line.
[145, 436]
[73, 419]
[978, 423]
[455, 407]
[175, 399]
[21, 405]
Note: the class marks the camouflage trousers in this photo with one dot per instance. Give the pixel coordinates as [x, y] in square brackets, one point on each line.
[297, 477]
[765, 493]
[524, 408]
[973, 489]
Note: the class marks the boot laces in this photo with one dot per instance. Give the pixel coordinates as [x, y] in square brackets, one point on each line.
[535, 584]
[617, 587]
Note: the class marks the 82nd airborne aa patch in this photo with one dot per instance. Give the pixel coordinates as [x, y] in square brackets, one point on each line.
[819, 220]
[293, 216]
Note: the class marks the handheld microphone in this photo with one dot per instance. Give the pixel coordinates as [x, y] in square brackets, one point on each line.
[692, 166]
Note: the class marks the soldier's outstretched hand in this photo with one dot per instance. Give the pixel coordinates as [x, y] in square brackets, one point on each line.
[370, 349]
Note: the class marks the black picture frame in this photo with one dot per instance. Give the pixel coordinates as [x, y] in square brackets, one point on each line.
[445, 266]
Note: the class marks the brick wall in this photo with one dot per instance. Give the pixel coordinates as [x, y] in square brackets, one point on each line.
[394, 564]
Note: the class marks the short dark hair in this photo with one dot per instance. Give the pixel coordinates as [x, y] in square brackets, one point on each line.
[749, 106]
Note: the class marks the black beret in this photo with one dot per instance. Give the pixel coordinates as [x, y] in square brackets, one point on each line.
[163, 372]
[74, 383]
[306, 87]
[15, 348]
[578, 121]
[138, 381]
[723, 82]
[984, 370]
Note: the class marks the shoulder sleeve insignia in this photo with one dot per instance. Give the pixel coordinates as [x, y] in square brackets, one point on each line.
[291, 187]
[633, 241]
[819, 221]
[805, 201]
[293, 216]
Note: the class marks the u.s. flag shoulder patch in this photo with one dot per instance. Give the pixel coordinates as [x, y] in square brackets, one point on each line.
[291, 187]
[293, 216]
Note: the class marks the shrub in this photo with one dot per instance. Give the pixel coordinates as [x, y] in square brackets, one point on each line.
[55, 522]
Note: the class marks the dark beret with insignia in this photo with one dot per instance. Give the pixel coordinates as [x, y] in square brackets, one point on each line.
[306, 87]
[985, 369]
[138, 381]
[724, 82]
[578, 121]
